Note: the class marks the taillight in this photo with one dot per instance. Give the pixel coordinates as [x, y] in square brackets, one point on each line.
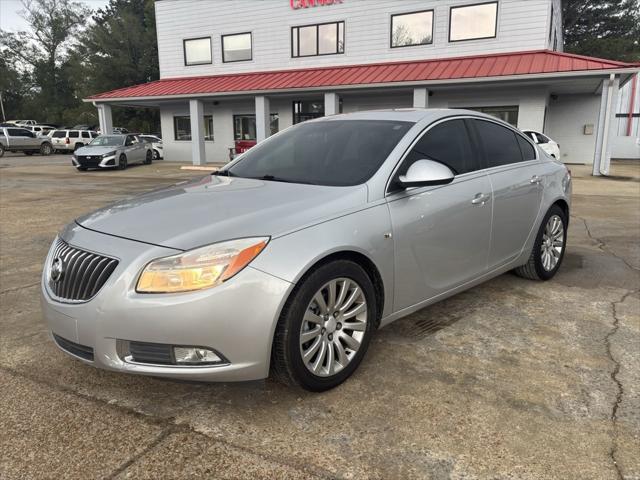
[66, 140]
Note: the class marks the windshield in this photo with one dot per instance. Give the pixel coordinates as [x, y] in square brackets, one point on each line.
[108, 141]
[332, 153]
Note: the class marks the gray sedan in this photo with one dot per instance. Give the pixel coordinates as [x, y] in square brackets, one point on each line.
[289, 258]
[112, 151]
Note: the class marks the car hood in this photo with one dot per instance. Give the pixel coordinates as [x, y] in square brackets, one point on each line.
[95, 150]
[216, 208]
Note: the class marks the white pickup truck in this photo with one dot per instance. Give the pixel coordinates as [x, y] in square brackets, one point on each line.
[18, 139]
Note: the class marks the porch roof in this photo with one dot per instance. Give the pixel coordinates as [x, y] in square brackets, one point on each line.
[514, 65]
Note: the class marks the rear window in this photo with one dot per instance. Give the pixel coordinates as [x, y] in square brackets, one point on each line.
[500, 143]
[59, 134]
[86, 135]
[334, 152]
[74, 134]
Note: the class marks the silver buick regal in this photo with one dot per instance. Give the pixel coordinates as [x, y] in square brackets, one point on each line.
[289, 258]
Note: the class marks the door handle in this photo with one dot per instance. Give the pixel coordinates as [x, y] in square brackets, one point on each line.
[535, 179]
[480, 199]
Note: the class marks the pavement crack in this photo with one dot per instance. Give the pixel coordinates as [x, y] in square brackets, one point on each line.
[21, 287]
[148, 448]
[602, 245]
[614, 376]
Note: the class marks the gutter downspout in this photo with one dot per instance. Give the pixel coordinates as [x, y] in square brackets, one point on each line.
[632, 103]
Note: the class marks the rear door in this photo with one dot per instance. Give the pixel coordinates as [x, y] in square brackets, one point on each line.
[514, 170]
[441, 233]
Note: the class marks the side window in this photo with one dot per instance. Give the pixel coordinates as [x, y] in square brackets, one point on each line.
[447, 143]
[532, 136]
[86, 135]
[59, 134]
[499, 143]
[542, 138]
[528, 152]
[129, 140]
[15, 132]
[94, 134]
[74, 134]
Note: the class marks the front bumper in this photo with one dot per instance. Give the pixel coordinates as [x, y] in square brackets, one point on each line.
[236, 319]
[93, 161]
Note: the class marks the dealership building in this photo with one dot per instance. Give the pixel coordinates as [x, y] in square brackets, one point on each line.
[234, 72]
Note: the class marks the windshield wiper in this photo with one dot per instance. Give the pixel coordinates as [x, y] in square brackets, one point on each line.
[273, 178]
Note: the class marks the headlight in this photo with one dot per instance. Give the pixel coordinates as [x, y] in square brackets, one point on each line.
[110, 154]
[203, 267]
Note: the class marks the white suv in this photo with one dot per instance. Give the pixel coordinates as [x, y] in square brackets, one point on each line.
[71, 140]
[545, 143]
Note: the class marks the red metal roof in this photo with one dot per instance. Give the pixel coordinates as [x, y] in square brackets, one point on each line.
[495, 65]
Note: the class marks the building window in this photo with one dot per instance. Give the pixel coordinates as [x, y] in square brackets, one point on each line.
[244, 126]
[182, 127]
[197, 51]
[236, 47]
[408, 29]
[321, 39]
[473, 22]
[507, 114]
[304, 110]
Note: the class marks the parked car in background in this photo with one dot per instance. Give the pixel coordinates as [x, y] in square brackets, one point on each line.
[40, 129]
[290, 257]
[23, 122]
[156, 144]
[71, 140]
[120, 130]
[18, 139]
[109, 151]
[84, 127]
[545, 143]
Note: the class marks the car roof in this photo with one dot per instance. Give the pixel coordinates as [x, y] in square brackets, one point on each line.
[413, 115]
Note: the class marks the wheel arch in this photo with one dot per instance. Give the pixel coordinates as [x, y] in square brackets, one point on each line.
[564, 206]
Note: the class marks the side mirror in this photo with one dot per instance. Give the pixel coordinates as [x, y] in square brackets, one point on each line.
[424, 173]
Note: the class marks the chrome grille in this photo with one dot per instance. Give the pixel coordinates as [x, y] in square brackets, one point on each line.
[82, 274]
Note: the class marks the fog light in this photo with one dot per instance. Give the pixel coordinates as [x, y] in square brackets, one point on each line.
[195, 356]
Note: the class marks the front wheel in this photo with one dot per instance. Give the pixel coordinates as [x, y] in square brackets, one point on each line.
[149, 158]
[156, 154]
[46, 149]
[325, 327]
[122, 162]
[549, 247]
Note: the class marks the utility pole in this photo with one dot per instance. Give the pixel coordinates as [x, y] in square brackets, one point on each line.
[4, 119]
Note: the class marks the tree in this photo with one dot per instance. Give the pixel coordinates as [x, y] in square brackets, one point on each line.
[119, 49]
[40, 53]
[606, 29]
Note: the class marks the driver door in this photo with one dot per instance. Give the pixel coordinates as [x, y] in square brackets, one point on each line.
[441, 233]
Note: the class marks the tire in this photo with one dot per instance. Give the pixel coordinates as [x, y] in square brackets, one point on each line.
[1, 150]
[46, 149]
[28, 152]
[122, 162]
[287, 362]
[156, 154]
[535, 268]
[149, 158]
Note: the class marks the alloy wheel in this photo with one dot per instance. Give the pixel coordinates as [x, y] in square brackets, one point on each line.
[333, 327]
[552, 243]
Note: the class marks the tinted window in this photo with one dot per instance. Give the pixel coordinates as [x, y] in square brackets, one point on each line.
[530, 135]
[15, 132]
[335, 152]
[86, 135]
[59, 134]
[446, 143]
[74, 134]
[500, 143]
[542, 138]
[528, 152]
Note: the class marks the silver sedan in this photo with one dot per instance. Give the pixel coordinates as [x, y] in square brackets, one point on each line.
[112, 151]
[289, 258]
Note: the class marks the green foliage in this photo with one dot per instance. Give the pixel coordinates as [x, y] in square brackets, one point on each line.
[605, 29]
[69, 55]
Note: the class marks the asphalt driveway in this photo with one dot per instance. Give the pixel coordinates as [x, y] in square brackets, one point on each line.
[512, 379]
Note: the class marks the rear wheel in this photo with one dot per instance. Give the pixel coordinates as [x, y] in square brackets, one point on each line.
[325, 327]
[549, 247]
[149, 158]
[1, 150]
[122, 162]
[46, 149]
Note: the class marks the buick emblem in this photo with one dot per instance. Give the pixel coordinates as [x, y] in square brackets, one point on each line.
[57, 269]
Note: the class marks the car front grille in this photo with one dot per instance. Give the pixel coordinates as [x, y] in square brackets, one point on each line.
[76, 349]
[77, 275]
[89, 160]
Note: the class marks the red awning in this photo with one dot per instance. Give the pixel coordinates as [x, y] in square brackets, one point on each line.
[458, 68]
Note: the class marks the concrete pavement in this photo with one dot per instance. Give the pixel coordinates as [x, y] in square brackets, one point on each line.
[512, 379]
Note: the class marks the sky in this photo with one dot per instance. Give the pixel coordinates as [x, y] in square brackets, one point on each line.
[10, 20]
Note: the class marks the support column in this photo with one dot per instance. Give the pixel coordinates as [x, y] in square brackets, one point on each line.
[196, 114]
[331, 104]
[263, 118]
[105, 119]
[606, 125]
[420, 98]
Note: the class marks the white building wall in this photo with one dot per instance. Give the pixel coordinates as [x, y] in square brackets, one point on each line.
[522, 25]
[567, 117]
